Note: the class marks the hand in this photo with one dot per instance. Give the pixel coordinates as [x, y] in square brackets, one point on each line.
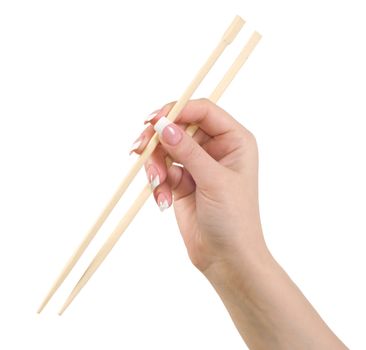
[216, 206]
[216, 190]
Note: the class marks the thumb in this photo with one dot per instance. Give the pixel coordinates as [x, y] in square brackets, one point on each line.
[183, 149]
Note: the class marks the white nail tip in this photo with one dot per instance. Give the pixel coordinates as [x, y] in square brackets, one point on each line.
[163, 205]
[135, 146]
[161, 124]
[155, 182]
[151, 116]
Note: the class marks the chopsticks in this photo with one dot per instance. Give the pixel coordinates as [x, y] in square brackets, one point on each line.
[145, 193]
[227, 38]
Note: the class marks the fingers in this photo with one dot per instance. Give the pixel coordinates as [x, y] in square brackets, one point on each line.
[164, 180]
[214, 123]
[222, 145]
[163, 196]
[185, 150]
[155, 168]
[212, 119]
[180, 182]
[141, 142]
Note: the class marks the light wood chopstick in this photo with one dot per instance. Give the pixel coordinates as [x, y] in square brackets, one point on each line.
[226, 40]
[145, 193]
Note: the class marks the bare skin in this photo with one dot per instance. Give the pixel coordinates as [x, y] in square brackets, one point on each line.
[217, 211]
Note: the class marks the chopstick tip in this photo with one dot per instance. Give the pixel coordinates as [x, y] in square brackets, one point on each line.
[62, 310]
[67, 303]
[40, 309]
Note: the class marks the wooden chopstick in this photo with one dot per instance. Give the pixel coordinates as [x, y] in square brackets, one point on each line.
[145, 193]
[226, 39]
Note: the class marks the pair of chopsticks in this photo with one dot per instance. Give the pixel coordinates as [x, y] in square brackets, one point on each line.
[226, 40]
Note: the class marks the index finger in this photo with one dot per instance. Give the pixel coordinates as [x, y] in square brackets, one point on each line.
[212, 119]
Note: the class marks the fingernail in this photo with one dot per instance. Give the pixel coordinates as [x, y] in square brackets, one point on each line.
[163, 202]
[168, 131]
[136, 144]
[151, 116]
[153, 177]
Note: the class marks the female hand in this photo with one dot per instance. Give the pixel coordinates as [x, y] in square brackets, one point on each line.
[216, 191]
[216, 206]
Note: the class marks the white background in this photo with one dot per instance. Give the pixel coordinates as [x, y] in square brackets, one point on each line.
[77, 79]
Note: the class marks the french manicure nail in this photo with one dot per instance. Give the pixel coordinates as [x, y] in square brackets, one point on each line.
[162, 202]
[153, 176]
[155, 182]
[168, 131]
[151, 116]
[136, 145]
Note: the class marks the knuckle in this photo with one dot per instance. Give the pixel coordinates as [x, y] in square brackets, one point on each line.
[251, 138]
[246, 142]
[247, 137]
[206, 104]
[204, 100]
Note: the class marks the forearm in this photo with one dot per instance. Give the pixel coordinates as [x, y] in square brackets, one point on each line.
[267, 308]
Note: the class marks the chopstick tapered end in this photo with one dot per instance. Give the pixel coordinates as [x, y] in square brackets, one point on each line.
[64, 307]
[70, 298]
[44, 303]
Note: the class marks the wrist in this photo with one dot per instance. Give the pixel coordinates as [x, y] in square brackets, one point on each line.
[241, 265]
